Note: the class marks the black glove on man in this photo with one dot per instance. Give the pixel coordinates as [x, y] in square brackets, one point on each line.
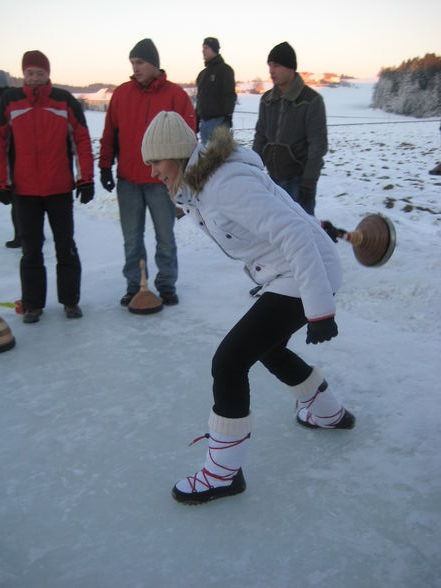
[6, 196]
[107, 179]
[319, 331]
[85, 192]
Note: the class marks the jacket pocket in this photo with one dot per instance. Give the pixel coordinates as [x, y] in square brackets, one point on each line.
[281, 162]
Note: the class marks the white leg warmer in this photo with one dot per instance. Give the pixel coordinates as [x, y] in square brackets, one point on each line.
[316, 404]
[227, 445]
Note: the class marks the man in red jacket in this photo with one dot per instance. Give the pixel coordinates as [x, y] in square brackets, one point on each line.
[47, 130]
[132, 107]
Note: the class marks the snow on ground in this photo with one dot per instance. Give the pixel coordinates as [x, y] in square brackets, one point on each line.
[96, 415]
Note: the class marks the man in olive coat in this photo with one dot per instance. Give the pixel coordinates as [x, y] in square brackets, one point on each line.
[291, 132]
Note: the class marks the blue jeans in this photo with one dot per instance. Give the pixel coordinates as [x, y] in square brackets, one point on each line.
[206, 127]
[133, 200]
[292, 186]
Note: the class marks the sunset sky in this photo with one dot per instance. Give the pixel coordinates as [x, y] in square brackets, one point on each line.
[89, 41]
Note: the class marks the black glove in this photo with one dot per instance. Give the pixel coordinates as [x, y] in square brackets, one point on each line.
[332, 231]
[319, 331]
[228, 119]
[85, 192]
[6, 196]
[107, 179]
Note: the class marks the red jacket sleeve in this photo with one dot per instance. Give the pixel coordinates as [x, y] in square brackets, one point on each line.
[184, 107]
[5, 181]
[108, 140]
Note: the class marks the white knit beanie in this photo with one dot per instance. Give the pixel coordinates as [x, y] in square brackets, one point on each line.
[168, 136]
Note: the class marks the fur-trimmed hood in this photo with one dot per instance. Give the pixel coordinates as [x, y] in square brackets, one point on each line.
[205, 161]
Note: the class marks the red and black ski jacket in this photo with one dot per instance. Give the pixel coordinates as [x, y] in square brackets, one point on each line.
[131, 110]
[45, 130]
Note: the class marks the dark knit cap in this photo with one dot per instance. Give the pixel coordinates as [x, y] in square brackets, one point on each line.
[283, 54]
[35, 59]
[213, 43]
[147, 51]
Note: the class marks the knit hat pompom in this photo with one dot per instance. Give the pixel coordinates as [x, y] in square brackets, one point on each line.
[213, 43]
[35, 59]
[283, 54]
[168, 137]
[146, 50]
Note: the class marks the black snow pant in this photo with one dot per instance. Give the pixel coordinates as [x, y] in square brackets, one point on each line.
[31, 212]
[262, 334]
[15, 223]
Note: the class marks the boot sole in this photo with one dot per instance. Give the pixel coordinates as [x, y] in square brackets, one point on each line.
[347, 422]
[236, 487]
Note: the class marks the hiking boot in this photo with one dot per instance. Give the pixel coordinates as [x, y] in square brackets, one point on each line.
[125, 300]
[14, 243]
[73, 312]
[169, 298]
[306, 419]
[32, 316]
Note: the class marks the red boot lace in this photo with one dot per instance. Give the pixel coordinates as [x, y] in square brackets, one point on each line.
[204, 473]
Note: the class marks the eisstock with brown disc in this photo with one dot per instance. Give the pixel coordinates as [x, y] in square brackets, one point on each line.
[373, 240]
[145, 301]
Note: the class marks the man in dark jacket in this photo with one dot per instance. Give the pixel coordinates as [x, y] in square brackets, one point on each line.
[15, 241]
[48, 130]
[291, 133]
[216, 95]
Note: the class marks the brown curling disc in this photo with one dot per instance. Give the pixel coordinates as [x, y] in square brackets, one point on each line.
[378, 240]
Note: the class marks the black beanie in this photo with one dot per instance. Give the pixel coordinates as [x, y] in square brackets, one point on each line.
[147, 51]
[283, 54]
[213, 43]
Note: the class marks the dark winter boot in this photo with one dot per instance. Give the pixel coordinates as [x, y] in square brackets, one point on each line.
[73, 312]
[15, 243]
[436, 171]
[125, 300]
[32, 315]
[317, 406]
[222, 472]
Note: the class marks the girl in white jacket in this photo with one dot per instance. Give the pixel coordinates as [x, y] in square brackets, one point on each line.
[226, 191]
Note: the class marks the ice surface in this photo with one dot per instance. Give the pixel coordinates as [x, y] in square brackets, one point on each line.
[96, 415]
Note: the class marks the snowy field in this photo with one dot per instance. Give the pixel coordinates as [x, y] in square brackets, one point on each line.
[96, 415]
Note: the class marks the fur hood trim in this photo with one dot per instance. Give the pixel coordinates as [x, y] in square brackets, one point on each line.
[218, 150]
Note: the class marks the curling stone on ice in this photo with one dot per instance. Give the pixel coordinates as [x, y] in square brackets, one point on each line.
[145, 301]
[7, 339]
[373, 240]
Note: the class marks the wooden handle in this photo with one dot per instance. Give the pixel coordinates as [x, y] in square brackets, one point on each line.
[354, 237]
[143, 284]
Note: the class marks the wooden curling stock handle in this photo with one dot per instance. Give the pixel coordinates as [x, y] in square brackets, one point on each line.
[354, 237]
